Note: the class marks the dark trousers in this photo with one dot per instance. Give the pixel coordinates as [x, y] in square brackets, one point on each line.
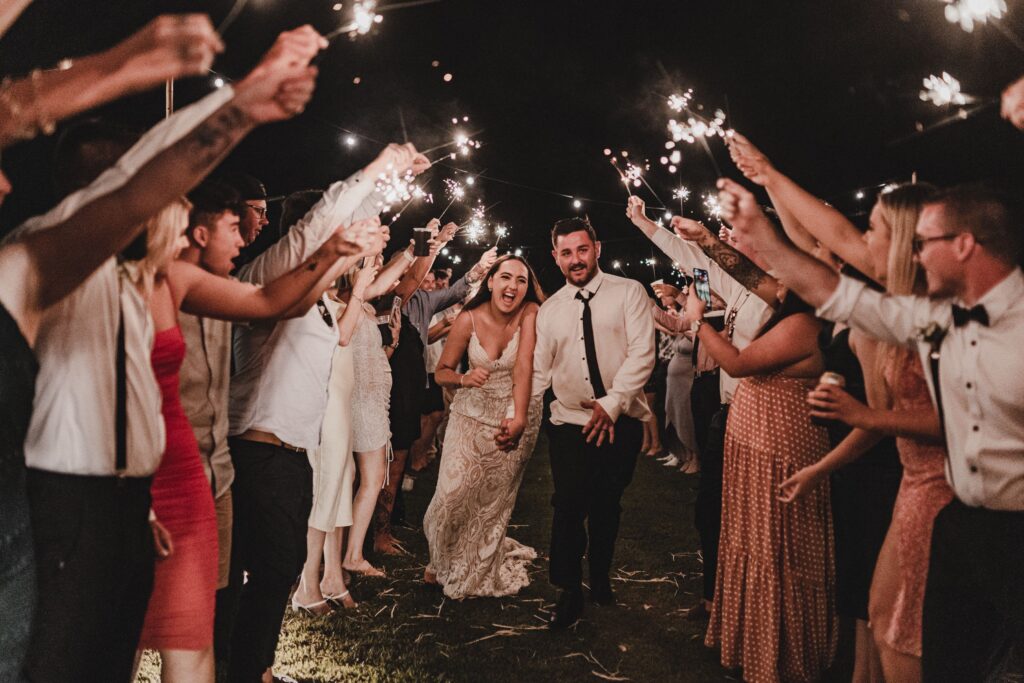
[273, 494]
[227, 601]
[704, 403]
[708, 512]
[974, 600]
[589, 481]
[94, 559]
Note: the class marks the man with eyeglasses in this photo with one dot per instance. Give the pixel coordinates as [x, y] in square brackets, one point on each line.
[968, 331]
[278, 398]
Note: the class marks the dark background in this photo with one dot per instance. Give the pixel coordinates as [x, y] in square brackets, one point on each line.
[829, 90]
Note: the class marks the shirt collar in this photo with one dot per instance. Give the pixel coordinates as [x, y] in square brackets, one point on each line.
[1005, 294]
[591, 287]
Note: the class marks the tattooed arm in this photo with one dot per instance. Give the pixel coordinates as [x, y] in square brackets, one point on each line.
[741, 268]
[44, 265]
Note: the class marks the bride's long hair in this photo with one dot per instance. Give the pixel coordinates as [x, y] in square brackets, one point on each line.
[533, 291]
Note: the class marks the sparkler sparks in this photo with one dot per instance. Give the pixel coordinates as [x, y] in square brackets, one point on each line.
[395, 187]
[463, 144]
[476, 227]
[677, 102]
[697, 127]
[364, 17]
[454, 189]
[712, 206]
[967, 13]
[633, 174]
[942, 90]
[682, 193]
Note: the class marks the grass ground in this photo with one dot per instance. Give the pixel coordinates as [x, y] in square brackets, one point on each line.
[405, 631]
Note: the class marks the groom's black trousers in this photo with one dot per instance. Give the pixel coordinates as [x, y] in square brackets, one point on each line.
[589, 482]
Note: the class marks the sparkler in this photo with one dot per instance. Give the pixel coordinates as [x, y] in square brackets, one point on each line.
[626, 181]
[712, 205]
[364, 17]
[967, 13]
[942, 90]
[475, 228]
[499, 232]
[455, 192]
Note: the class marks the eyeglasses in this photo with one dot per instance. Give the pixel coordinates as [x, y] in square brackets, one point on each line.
[919, 242]
[324, 313]
[261, 211]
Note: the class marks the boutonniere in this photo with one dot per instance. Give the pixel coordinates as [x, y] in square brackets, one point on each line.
[932, 334]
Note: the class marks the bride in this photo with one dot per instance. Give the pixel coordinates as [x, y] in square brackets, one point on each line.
[465, 525]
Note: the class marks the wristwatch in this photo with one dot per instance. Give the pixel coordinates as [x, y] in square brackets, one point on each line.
[695, 325]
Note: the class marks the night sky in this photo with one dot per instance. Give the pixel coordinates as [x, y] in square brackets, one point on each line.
[827, 89]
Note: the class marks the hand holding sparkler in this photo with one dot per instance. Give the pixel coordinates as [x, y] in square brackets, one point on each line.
[439, 240]
[378, 239]
[283, 82]
[689, 229]
[170, 46]
[484, 264]
[355, 238]
[751, 162]
[636, 212]
[740, 208]
[1012, 108]
[393, 159]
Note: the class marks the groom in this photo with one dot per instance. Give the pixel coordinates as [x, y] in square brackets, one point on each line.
[595, 349]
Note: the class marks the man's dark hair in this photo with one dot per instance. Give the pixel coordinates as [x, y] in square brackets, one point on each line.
[567, 226]
[210, 199]
[989, 212]
[247, 187]
[86, 149]
[296, 205]
[442, 272]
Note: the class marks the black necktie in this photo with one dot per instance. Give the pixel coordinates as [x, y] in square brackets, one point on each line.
[591, 349]
[962, 316]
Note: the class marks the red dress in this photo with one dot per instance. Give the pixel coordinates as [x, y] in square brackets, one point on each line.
[180, 612]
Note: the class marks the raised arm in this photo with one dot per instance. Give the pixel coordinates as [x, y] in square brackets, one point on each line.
[54, 253]
[822, 222]
[391, 273]
[895, 319]
[791, 341]
[414, 276]
[354, 311]
[168, 47]
[201, 293]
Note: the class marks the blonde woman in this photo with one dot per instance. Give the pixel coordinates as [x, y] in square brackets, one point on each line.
[897, 396]
[179, 618]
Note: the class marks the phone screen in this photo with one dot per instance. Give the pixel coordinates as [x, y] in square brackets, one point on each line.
[700, 281]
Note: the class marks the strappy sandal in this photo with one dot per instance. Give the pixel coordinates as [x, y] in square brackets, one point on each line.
[339, 600]
[314, 609]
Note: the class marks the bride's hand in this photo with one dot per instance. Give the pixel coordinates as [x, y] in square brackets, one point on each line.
[476, 377]
[509, 433]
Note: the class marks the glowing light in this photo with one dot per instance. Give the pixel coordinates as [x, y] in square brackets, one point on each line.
[617, 264]
[518, 252]
[576, 203]
[337, 7]
[394, 188]
[363, 17]
[500, 231]
[454, 189]
[712, 206]
[464, 145]
[357, 80]
[668, 215]
[678, 102]
[696, 127]
[633, 174]
[682, 193]
[350, 140]
[967, 13]
[476, 227]
[447, 78]
[650, 262]
[942, 90]
[860, 194]
[444, 251]
[456, 259]
[218, 82]
[435, 64]
[470, 180]
[607, 152]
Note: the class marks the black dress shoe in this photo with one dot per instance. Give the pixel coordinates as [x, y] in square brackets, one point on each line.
[568, 610]
[601, 592]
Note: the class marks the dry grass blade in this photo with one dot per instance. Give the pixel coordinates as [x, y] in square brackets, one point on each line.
[504, 633]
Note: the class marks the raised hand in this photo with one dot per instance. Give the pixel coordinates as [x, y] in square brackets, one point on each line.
[476, 377]
[283, 82]
[689, 229]
[396, 158]
[694, 305]
[635, 211]
[487, 260]
[741, 210]
[363, 279]
[751, 162]
[1012, 104]
[662, 290]
[170, 46]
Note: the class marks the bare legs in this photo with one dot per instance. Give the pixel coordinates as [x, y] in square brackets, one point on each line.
[651, 445]
[383, 541]
[421, 446]
[372, 466]
[897, 666]
[188, 666]
[867, 667]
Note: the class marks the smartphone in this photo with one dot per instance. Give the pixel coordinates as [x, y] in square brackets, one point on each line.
[700, 281]
[384, 308]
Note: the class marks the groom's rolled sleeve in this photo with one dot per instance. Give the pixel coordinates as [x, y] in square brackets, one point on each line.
[543, 357]
[632, 375]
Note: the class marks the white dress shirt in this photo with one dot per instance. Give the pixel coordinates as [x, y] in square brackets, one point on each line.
[282, 369]
[73, 425]
[745, 312]
[623, 336]
[434, 350]
[981, 373]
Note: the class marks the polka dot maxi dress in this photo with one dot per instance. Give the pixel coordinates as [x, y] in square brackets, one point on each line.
[774, 608]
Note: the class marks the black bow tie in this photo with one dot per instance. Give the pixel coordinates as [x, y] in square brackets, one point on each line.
[962, 316]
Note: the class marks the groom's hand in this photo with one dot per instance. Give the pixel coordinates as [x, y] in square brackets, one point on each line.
[600, 424]
[508, 434]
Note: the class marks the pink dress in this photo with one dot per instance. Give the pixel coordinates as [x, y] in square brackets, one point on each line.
[923, 492]
[180, 612]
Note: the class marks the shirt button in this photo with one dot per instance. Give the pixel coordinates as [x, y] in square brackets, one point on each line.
[974, 343]
[974, 469]
[975, 428]
[969, 385]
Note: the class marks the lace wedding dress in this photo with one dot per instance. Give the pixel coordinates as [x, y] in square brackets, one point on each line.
[467, 520]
